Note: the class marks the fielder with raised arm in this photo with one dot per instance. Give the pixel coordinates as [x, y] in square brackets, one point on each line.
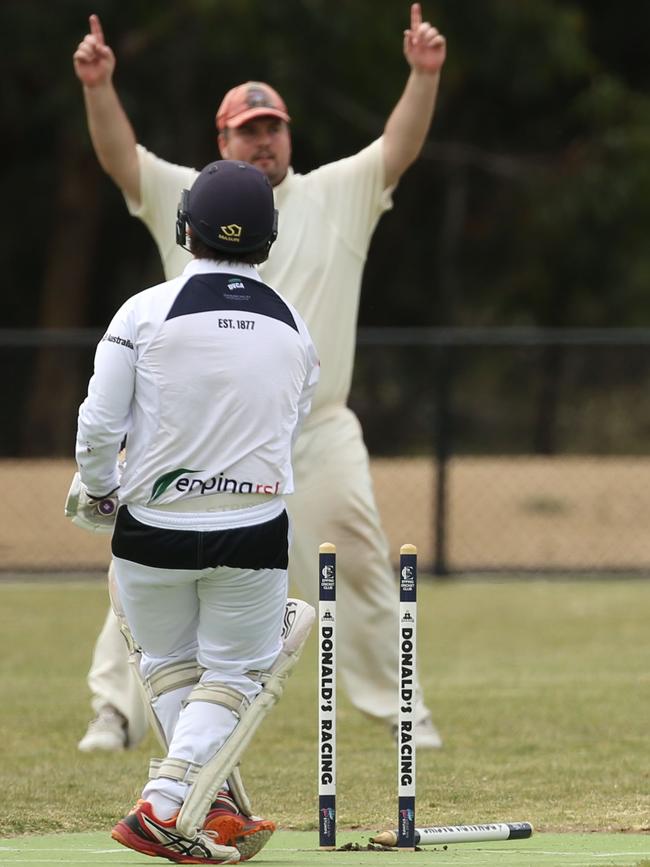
[327, 217]
[209, 376]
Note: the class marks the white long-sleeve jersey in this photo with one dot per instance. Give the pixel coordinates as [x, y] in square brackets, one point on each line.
[209, 376]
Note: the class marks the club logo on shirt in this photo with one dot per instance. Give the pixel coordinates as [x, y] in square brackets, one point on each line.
[233, 284]
[213, 485]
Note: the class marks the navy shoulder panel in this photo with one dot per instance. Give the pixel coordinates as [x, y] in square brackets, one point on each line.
[205, 292]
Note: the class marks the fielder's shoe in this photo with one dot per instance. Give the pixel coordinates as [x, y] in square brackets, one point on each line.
[143, 831]
[425, 735]
[248, 834]
[106, 732]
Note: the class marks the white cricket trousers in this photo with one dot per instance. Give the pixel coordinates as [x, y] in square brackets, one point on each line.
[227, 618]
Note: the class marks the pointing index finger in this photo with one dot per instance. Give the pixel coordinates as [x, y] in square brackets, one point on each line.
[96, 28]
[416, 16]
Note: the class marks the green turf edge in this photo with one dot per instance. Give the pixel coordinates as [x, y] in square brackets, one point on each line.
[300, 847]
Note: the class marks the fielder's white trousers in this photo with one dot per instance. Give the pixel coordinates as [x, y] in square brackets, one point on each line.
[334, 502]
[112, 680]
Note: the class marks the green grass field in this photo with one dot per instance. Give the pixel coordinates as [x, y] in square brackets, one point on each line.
[541, 690]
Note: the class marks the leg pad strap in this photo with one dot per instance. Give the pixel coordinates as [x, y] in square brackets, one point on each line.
[173, 769]
[220, 693]
[186, 672]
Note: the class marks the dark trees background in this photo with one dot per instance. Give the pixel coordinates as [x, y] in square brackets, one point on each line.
[530, 204]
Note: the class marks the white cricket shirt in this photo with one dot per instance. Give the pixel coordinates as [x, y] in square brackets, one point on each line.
[210, 375]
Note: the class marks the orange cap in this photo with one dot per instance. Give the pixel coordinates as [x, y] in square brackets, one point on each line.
[246, 101]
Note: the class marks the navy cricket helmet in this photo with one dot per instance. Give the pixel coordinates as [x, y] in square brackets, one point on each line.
[230, 208]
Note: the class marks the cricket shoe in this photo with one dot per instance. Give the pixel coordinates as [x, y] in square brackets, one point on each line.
[143, 831]
[248, 834]
[106, 732]
[425, 735]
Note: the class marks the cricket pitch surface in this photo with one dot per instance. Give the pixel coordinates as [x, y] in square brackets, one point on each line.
[301, 847]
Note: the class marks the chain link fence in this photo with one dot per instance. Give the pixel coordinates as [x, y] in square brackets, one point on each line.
[493, 450]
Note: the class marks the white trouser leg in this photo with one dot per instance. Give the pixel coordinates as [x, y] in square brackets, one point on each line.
[111, 680]
[334, 502]
[229, 619]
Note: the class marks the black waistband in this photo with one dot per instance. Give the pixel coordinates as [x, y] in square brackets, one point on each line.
[261, 546]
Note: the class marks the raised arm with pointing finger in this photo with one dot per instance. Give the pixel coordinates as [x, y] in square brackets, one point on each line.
[326, 221]
[407, 127]
[110, 129]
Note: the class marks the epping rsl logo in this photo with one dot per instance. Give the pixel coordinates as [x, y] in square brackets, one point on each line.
[218, 484]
